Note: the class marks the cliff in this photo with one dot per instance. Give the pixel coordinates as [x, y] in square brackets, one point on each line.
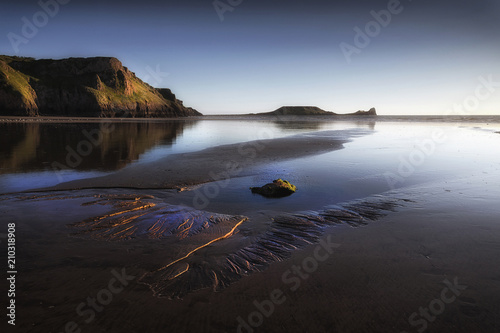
[85, 87]
[312, 111]
[371, 112]
[298, 111]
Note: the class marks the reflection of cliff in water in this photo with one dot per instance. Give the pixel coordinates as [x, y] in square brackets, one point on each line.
[81, 146]
[316, 124]
[298, 125]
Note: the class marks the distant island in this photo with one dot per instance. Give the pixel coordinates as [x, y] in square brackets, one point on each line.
[312, 111]
[81, 87]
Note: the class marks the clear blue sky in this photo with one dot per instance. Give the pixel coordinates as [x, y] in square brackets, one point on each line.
[427, 60]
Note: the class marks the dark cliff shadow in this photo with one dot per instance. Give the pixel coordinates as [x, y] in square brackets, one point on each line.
[105, 146]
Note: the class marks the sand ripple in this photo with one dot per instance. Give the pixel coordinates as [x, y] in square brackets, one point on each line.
[201, 249]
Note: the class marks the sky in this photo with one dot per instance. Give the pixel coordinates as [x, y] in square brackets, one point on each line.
[408, 57]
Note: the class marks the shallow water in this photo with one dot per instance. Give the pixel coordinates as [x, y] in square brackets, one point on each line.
[44, 154]
[391, 156]
[34, 155]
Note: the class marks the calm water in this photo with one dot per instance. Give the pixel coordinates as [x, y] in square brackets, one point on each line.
[42, 154]
[387, 154]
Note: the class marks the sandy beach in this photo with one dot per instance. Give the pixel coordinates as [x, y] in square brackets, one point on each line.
[133, 250]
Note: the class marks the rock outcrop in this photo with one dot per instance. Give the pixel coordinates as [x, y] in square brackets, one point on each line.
[86, 87]
[371, 112]
[277, 189]
[312, 111]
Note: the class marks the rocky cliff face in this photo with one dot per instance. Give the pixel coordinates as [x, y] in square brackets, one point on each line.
[371, 112]
[88, 87]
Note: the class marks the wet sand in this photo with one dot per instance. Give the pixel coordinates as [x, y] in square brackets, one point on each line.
[376, 274]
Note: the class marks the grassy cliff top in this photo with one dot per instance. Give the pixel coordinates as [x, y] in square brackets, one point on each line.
[15, 82]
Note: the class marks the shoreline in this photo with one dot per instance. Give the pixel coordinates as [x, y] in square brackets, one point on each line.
[56, 119]
[255, 117]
